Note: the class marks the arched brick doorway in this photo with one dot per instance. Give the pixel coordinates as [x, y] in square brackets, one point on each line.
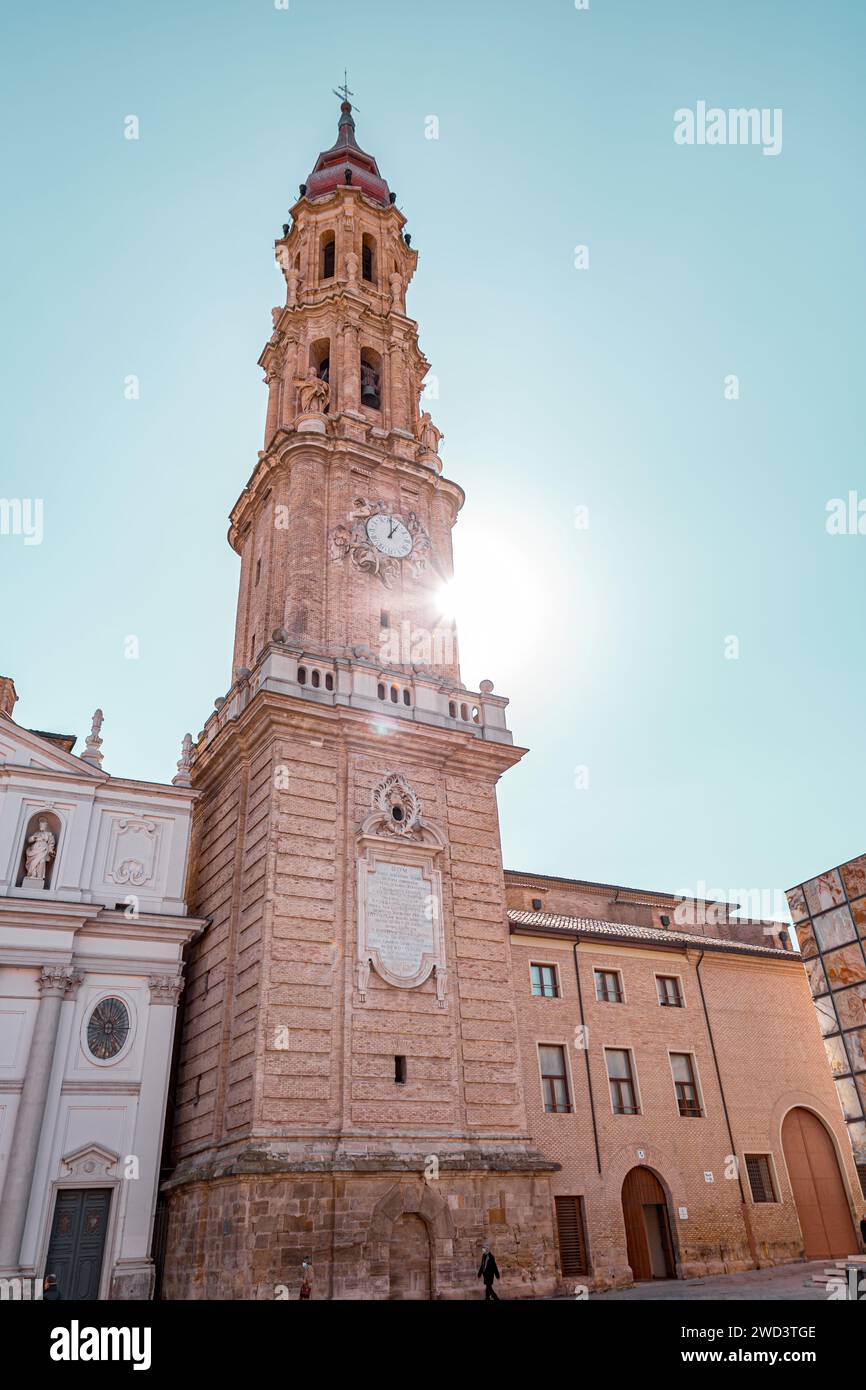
[818, 1187]
[647, 1226]
[410, 1258]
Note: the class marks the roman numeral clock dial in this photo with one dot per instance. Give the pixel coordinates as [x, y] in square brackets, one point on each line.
[377, 540]
[389, 535]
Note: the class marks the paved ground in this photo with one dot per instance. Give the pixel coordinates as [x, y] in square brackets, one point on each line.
[784, 1283]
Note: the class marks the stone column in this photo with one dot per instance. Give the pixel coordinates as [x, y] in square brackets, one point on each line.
[271, 420]
[350, 369]
[444, 506]
[132, 1275]
[294, 364]
[54, 982]
[398, 385]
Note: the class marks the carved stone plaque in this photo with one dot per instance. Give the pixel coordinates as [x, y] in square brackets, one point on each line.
[399, 917]
[400, 923]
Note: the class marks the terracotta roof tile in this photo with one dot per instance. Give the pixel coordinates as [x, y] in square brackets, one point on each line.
[593, 926]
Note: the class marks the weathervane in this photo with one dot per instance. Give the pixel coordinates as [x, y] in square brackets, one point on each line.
[343, 92]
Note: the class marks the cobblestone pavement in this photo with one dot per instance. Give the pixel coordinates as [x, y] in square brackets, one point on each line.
[783, 1283]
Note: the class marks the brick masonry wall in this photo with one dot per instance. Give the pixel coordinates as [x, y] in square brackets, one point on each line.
[770, 1055]
[276, 1038]
[279, 1049]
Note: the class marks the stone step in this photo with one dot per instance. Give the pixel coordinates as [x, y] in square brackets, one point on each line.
[835, 1271]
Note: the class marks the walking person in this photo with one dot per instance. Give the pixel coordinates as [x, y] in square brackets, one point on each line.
[51, 1289]
[306, 1290]
[488, 1270]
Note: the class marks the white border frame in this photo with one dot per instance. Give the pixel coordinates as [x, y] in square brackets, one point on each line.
[687, 1052]
[608, 970]
[623, 1047]
[569, 1078]
[670, 975]
[551, 965]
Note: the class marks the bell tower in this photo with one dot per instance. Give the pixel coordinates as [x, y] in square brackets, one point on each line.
[349, 1088]
[349, 486]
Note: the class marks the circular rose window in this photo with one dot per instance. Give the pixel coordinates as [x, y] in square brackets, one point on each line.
[108, 1029]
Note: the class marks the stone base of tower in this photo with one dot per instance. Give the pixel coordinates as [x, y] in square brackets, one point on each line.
[369, 1232]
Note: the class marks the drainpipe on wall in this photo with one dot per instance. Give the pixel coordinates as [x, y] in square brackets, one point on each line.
[747, 1220]
[586, 1059]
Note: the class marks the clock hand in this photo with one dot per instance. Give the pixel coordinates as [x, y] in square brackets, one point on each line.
[391, 532]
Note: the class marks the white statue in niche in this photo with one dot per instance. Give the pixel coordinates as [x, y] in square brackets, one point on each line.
[41, 847]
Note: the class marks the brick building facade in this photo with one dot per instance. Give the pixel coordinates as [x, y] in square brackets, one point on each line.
[358, 1083]
[727, 996]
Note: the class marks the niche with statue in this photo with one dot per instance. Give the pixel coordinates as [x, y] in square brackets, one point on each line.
[39, 851]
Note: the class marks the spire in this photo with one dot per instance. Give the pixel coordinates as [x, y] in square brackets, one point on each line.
[345, 162]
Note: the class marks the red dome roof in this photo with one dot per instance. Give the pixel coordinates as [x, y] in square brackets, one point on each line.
[331, 167]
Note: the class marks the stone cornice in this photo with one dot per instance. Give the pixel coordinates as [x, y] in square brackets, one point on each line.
[91, 920]
[631, 895]
[356, 308]
[102, 784]
[334, 449]
[268, 714]
[300, 210]
[265, 1158]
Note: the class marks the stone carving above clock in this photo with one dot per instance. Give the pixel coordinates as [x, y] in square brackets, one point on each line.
[377, 540]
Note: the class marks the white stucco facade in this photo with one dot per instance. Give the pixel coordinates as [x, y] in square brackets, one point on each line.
[83, 1096]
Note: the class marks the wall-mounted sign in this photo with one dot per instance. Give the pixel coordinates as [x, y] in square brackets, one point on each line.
[684, 1213]
[641, 1153]
[708, 1177]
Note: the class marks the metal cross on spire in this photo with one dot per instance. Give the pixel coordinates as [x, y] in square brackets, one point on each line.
[343, 92]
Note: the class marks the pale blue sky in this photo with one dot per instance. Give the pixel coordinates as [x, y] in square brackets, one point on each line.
[558, 387]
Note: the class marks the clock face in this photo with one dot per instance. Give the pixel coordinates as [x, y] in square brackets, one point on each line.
[389, 535]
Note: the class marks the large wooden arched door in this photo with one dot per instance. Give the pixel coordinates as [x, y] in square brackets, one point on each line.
[819, 1191]
[647, 1226]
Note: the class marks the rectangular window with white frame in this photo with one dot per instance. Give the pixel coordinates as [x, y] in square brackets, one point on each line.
[545, 981]
[686, 1085]
[622, 1080]
[554, 1078]
[670, 991]
[608, 987]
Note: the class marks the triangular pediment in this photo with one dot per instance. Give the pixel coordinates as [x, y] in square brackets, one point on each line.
[21, 747]
[90, 1161]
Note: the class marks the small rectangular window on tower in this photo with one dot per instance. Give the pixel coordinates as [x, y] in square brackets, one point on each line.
[258, 571]
[384, 619]
[400, 1070]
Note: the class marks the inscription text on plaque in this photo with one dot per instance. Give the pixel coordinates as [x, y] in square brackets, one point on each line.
[400, 917]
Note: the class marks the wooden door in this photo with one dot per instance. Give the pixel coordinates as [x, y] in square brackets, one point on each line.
[640, 1190]
[77, 1243]
[819, 1191]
